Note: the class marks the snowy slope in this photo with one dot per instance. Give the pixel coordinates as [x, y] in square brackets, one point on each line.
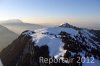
[48, 37]
[1, 63]
[97, 63]
[52, 38]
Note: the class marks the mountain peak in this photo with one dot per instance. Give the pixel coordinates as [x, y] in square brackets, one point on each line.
[66, 25]
[12, 21]
[15, 20]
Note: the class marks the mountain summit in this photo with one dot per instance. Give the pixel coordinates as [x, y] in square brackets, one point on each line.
[19, 26]
[83, 46]
[66, 25]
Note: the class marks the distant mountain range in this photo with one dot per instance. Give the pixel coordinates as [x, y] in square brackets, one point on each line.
[65, 41]
[19, 26]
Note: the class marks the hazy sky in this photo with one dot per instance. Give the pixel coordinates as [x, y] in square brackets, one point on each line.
[80, 12]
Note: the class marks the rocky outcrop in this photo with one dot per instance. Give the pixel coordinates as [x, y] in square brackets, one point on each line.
[11, 54]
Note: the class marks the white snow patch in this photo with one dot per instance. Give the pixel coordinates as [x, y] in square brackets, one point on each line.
[54, 44]
[27, 33]
[1, 63]
[43, 37]
[96, 63]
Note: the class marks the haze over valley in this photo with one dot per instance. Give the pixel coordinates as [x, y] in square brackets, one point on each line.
[6, 37]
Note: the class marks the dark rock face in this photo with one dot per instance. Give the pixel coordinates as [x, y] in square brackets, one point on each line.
[76, 47]
[23, 52]
[11, 54]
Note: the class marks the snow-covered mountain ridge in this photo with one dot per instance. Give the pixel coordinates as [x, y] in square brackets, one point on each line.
[61, 40]
[52, 38]
[57, 43]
